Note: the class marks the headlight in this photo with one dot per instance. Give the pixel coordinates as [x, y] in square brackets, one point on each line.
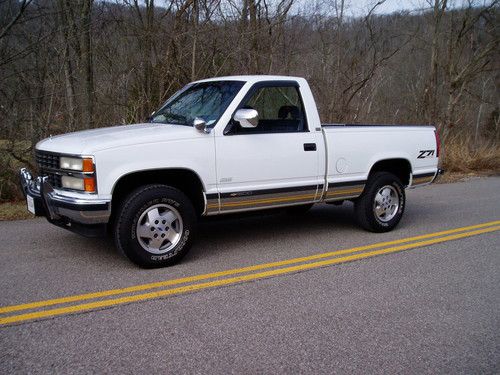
[75, 183]
[78, 183]
[84, 180]
[77, 164]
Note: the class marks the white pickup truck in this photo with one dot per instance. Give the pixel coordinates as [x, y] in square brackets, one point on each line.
[219, 146]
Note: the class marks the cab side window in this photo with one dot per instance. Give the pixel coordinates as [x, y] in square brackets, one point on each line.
[280, 110]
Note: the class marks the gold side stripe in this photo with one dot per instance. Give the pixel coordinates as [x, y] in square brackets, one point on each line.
[260, 201]
[342, 192]
[283, 199]
[269, 200]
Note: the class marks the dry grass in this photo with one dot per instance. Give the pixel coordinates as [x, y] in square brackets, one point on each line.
[461, 155]
[14, 211]
[451, 177]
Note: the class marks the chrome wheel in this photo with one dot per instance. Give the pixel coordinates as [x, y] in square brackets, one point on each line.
[386, 203]
[159, 229]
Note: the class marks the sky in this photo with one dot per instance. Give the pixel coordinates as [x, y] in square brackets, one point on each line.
[390, 6]
[358, 8]
[361, 7]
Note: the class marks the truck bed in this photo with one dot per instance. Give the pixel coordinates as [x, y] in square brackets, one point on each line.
[353, 149]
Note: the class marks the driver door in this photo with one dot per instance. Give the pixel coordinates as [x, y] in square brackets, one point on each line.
[273, 164]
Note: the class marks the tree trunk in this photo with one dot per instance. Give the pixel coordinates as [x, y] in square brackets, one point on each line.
[430, 91]
[255, 58]
[195, 20]
[87, 63]
[69, 79]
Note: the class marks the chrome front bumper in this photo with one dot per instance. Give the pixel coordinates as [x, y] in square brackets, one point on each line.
[60, 209]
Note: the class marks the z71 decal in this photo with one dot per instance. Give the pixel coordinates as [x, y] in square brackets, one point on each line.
[425, 154]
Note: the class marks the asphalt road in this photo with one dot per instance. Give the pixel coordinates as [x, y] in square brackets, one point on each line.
[428, 309]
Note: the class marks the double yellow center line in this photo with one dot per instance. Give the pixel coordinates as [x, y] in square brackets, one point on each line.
[75, 303]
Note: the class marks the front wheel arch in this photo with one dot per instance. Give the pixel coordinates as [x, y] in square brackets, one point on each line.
[185, 180]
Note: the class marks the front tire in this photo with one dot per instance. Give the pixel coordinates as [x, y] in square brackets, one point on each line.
[155, 226]
[381, 206]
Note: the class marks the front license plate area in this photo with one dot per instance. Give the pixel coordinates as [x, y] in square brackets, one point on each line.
[31, 204]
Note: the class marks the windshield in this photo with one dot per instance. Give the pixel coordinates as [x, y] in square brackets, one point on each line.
[207, 100]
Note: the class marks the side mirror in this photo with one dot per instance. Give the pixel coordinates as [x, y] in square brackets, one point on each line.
[248, 118]
[200, 125]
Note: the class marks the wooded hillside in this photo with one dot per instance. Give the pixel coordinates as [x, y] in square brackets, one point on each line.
[67, 65]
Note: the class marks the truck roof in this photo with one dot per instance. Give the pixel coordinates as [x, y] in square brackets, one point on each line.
[252, 78]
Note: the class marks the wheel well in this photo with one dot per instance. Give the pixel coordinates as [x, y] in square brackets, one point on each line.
[185, 180]
[399, 167]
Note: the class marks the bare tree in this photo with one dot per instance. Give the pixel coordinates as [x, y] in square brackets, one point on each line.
[76, 30]
[463, 68]
[21, 7]
[430, 104]
[73, 64]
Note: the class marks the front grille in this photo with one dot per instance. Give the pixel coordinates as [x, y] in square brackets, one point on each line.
[46, 160]
[48, 165]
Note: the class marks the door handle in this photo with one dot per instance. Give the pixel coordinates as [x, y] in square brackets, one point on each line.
[309, 146]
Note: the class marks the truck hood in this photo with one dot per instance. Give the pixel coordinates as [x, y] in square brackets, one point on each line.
[89, 141]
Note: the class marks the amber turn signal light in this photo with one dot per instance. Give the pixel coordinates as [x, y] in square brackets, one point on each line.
[88, 165]
[89, 184]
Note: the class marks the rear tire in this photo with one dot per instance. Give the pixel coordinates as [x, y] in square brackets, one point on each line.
[381, 206]
[155, 226]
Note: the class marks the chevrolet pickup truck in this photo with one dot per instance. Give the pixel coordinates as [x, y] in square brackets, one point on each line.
[224, 145]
